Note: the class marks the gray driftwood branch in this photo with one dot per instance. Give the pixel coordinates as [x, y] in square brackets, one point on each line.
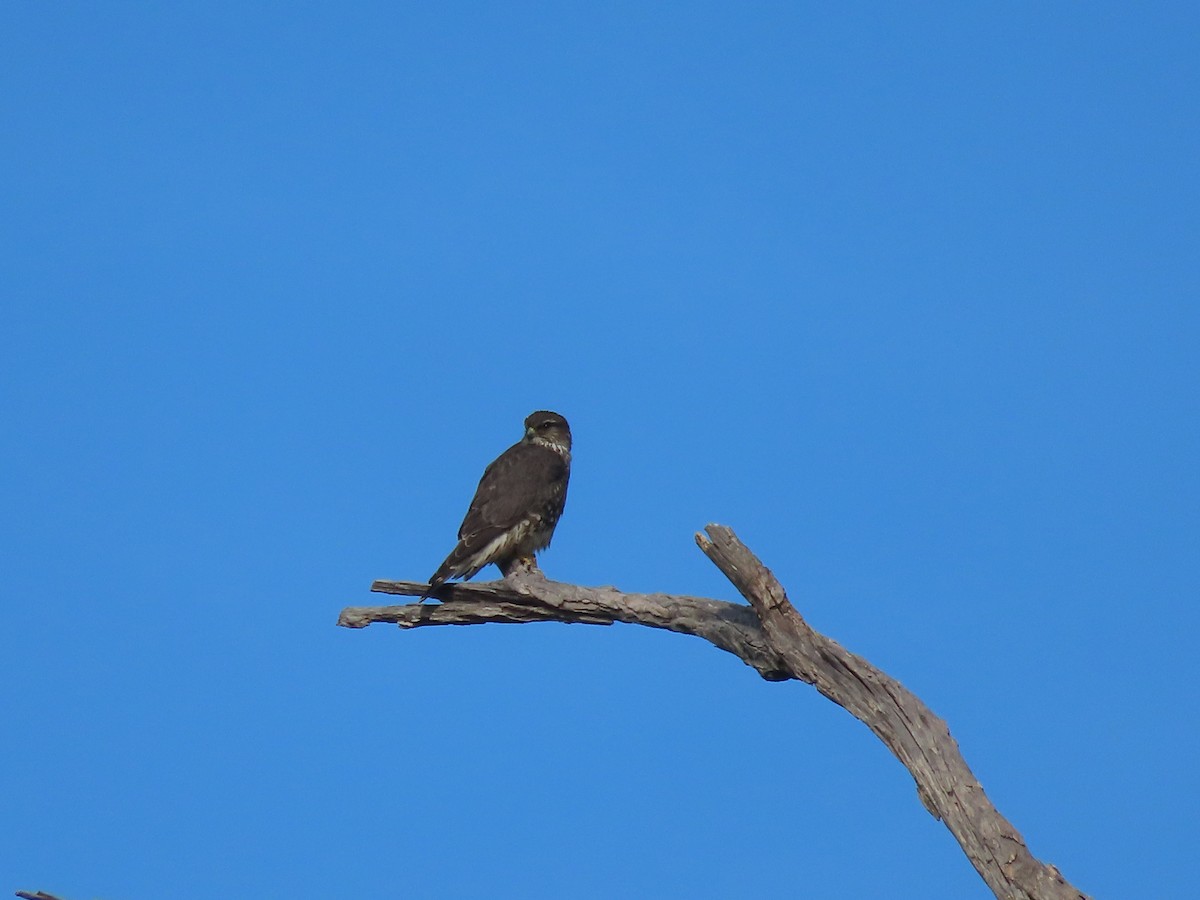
[773, 638]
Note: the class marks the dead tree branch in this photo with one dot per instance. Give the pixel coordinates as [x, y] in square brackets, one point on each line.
[773, 638]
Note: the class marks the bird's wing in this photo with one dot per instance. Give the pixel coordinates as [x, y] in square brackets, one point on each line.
[516, 483]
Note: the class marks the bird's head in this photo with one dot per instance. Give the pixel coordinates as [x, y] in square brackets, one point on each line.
[548, 429]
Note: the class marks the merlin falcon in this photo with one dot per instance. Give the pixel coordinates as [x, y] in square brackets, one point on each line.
[517, 504]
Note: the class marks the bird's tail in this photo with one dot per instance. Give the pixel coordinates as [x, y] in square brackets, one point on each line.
[471, 554]
[455, 566]
[435, 582]
[446, 571]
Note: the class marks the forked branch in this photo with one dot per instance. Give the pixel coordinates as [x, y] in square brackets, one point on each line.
[773, 638]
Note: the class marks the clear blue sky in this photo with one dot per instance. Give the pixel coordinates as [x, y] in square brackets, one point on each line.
[907, 295]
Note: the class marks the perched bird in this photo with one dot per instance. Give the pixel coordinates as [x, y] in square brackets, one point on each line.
[517, 504]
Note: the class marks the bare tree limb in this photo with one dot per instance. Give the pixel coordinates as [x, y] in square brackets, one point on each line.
[526, 596]
[917, 737]
[36, 895]
[773, 638]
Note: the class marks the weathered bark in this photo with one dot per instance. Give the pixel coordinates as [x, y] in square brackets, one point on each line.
[773, 638]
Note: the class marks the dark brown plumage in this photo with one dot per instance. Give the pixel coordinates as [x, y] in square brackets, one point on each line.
[517, 504]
